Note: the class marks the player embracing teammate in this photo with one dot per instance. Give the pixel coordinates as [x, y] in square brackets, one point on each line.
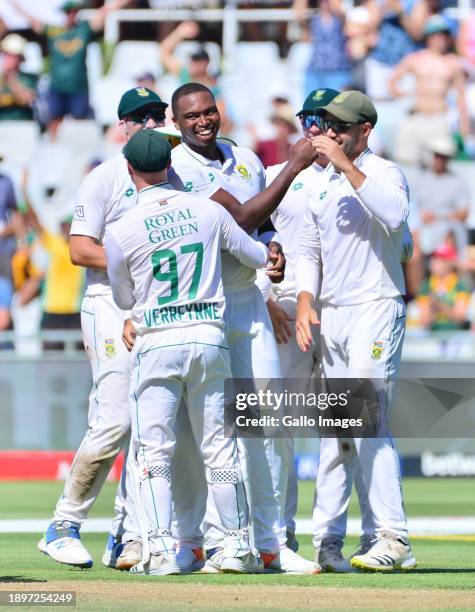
[237, 499]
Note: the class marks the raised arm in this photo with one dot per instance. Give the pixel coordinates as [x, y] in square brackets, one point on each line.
[185, 31]
[98, 20]
[258, 209]
[36, 24]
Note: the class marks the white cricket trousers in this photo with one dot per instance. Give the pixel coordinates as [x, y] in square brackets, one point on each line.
[192, 363]
[108, 417]
[265, 463]
[295, 364]
[363, 341]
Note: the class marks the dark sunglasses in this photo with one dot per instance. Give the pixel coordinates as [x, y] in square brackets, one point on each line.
[337, 127]
[142, 118]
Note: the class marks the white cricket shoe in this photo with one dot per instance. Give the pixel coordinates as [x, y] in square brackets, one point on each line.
[388, 553]
[329, 556]
[249, 564]
[130, 555]
[190, 560]
[163, 564]
[214, 558]
[289, 562]
[366, 542]
[62, 543]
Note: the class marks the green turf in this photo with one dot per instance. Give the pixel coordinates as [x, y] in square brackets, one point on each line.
[423, 497]
[446, 565]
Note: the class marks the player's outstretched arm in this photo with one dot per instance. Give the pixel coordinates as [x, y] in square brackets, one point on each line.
[258, 209]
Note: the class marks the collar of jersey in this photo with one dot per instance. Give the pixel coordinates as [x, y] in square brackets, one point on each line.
[204, 160]
[164, 185]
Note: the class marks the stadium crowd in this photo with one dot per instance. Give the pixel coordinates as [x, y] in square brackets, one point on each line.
[413, 60]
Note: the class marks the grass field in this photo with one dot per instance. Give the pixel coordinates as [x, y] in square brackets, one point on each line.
[445, 578]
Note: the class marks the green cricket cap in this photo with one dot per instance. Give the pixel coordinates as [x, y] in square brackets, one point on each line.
[139, 98]
[72, 5]
[316, 99]
[148, 151]
[352, 107]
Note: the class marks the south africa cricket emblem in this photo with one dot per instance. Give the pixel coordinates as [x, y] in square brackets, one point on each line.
[378, 348]
[243, 171]
[109, 346]
[142, 92]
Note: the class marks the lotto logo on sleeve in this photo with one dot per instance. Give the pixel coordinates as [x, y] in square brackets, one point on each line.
[109, 346]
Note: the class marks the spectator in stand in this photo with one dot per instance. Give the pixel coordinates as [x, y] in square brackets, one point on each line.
[276, 150]
[10, 226]
[400, 25]
[437, 71]
[17, 88]
[64, 284]
[67, 47]
[442, 199]
[444, 298]
[197, 70]
[330, 65]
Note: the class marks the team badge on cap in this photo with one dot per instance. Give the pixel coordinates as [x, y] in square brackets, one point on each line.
[142, 92]
[378, 348]
[318, 95]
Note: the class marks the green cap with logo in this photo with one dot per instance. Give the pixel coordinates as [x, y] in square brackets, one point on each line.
[148, 151]
[139, 98]
[71, 5]
[316, 99]
[351, 107]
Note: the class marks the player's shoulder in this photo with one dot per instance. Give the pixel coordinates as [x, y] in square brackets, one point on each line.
[109, 169]
[243, 155]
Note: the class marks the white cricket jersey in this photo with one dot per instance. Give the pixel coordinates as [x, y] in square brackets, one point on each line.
[241, 174]
[105, 194]
[356, 235]
[288, 218]
[163, 258]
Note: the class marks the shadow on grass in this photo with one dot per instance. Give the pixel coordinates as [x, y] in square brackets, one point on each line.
[12, 579]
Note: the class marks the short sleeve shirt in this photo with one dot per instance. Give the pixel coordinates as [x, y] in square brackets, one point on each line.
[10, 109]
[67, 51]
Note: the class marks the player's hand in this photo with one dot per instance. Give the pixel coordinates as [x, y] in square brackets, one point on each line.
[276, 264]
[129, 334]
[280, 322]
[302, 154]
[330, 148]
[306, 316]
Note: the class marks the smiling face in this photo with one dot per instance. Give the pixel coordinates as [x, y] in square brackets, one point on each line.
[198, 119]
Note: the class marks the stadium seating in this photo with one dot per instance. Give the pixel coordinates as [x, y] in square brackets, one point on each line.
[33, 58]
[19, 140]
[134, 57]
[184, 49]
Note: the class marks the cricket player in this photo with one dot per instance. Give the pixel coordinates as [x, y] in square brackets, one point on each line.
[354, 229]
[281, 303]
[164, 263]
[104, 196]
[234, 177]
